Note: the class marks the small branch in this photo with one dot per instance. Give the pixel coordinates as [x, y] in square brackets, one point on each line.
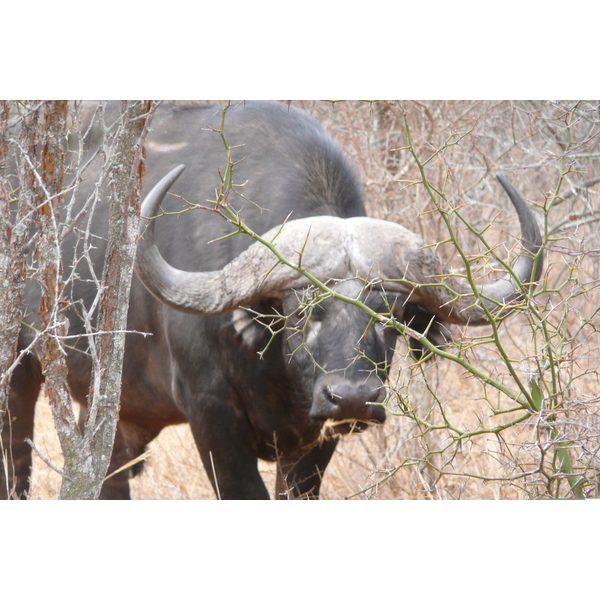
[48, 463]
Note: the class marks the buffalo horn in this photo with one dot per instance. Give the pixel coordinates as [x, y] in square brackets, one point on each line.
[364, 247]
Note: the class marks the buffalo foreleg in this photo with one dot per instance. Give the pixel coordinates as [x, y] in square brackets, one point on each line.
[131, 440]
[300, 477]
[130, 443]
[15, 458]
[227, 448]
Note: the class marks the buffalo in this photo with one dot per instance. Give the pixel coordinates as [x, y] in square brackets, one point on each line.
[261, 361]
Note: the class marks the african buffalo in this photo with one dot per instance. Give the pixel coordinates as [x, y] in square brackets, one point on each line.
[259, 362]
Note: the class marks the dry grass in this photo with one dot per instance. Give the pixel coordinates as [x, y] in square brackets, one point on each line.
[172, 470]
[534, 144]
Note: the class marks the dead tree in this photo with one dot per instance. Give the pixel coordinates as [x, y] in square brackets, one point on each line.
[43, 156]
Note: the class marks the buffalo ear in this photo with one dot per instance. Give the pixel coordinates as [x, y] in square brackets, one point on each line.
[249, 332]
[437, 332]
[255, 325]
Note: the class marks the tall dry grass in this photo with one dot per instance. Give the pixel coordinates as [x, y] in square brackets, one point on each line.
[550, 151]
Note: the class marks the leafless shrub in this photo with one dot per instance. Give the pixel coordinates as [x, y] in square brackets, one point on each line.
[44, 143]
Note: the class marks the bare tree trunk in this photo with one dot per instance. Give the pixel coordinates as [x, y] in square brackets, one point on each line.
[11, 275]
[13, 253]
[44, 183]
[41, 167]
[107, 353]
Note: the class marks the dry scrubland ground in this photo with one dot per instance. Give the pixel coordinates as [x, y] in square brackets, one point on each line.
[445, 438]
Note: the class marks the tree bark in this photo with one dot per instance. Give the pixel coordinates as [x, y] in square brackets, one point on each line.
[126, 177]
[42, 178]
[12, 274]
[41, 169]
[14, 238]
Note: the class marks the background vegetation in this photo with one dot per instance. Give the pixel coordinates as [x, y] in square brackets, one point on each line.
[450, 435]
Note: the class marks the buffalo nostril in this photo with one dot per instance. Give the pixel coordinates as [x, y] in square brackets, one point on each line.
[324, 404]
[354, 395]
[345, 400]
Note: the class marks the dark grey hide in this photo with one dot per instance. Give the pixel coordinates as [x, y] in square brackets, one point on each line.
[250, 383]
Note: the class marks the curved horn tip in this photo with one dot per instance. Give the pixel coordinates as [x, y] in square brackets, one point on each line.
[169, 179]
[157, 193]
[520, 204]
[512, 192]
[175, 173]
[506, 184]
